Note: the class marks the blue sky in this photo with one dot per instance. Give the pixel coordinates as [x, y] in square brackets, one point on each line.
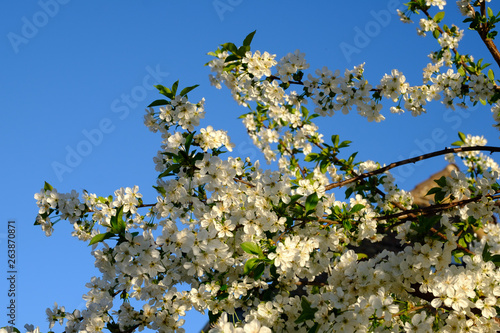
[76, 77]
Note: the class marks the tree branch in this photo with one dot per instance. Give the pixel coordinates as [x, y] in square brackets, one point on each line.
[411, 160]
[483, 33]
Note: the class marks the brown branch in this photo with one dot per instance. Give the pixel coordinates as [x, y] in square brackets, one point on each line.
[492, 48]
[273, 77]
[483, 33]
[238, 180]
[466, 250]
[426, 210]
[414, 213]
[412, 160]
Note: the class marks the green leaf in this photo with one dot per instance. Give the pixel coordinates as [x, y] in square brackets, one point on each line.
[164, 91]
[438, 17]
[307, 311]
[230, 47]
[294, 198]
[305, 111]
[433, 190]
[188, 89]
[189, 140]
[171, 170]
[311, 202]
[100, 237]
[439, 196]
[47, 187]
[457, 143]
[425, 223]
[490, 12]
[462, 242]
[461, 136]
[212, 318]
[486, 253]
[356, 208]
[461, 71]
[487, 256]
[314, 329]
[174, 87]
[335, 140]
[347, 225]
[252, 248]
[362, 256]
[158, 102]
[311, 157]
[435, 33]
[161, 190]
[348, 192]
[323, 166]
[242, 50]
[344, 144]
[441, 181]
[248, 39]
[117, 223]
[259, 270]
[250, 265]
[274, 271]
[232, 57]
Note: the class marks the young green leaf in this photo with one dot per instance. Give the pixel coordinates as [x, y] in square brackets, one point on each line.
[47, 187]
[441, 181]
[188, 89]
[232, 57]
[230, 47]
[174, 87]
[161, 190]
[158, 102]
[117, 223]
[100, 237]
[356, 208]
[491, 75]
[311, 157]
[171, 170]
[248, 39]
[252, 248]
[335, 140]
[250, 265]
[311, 202]
[259, 270]
[164, 91]
[307, 311]
[438, 17]
[189, 140]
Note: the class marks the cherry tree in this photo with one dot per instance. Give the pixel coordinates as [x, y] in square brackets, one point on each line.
[278, 244]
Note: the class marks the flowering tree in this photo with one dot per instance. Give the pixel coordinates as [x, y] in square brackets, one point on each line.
[279, 245]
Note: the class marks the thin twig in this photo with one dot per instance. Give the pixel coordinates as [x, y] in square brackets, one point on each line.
[412, 160]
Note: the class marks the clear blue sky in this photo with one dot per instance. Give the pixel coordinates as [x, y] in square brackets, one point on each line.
[71, 68]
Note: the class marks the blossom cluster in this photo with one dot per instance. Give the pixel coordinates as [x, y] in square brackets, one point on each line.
[226, 236]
